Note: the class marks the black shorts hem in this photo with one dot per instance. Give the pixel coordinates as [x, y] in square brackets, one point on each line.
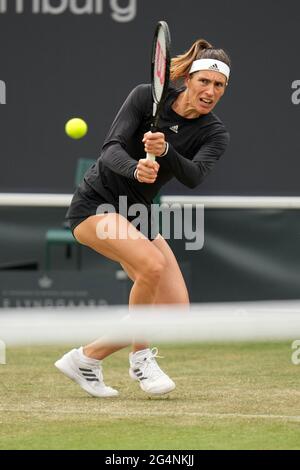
[85, 204]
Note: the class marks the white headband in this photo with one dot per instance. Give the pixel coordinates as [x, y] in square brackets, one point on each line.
[210, 64]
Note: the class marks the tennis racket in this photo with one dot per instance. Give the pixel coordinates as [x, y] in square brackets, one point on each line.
[160, 71]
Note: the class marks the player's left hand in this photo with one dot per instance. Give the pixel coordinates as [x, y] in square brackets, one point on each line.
[155, 143]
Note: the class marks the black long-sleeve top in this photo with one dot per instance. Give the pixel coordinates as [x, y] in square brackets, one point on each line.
[195, 145]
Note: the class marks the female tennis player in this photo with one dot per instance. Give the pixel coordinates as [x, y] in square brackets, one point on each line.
[190, 140]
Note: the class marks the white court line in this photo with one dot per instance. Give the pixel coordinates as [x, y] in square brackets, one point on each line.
[144, 414]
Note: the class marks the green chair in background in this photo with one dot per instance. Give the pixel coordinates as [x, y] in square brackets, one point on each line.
[63, 236]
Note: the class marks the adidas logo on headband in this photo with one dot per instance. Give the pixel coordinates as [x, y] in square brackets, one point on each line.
[214, 67]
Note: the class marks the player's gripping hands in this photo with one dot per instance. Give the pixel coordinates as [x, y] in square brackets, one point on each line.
[147, 170]
[154, 143]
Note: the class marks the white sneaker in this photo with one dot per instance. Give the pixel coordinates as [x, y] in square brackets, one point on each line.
[143, 367]
[87, 374]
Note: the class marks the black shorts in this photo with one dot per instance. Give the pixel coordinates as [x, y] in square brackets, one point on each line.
[86, 202]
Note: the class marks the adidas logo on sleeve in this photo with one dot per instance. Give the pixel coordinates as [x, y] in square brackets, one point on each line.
[174, 128]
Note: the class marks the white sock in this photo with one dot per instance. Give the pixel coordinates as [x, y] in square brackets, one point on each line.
[139, 354]
[88, 360]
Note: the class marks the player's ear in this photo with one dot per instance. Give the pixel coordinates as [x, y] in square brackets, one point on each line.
[225, 88]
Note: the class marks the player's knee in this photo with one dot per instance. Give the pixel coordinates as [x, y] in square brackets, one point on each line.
[152, 269]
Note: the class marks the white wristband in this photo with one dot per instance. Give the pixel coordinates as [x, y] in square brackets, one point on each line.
[166, 150]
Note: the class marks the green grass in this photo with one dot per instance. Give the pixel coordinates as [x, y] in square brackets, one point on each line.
[232, 396]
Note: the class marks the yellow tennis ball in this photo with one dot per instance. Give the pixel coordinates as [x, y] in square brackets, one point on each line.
[76, 128]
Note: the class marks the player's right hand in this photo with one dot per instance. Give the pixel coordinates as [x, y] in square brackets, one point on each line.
[146, 171]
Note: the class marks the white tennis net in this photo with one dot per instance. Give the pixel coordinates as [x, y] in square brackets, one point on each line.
[210, 202]
[245, 321]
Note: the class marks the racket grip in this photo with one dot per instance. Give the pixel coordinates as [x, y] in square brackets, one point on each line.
[151, 157]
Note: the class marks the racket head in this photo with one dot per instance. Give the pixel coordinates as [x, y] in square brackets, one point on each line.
[160, 65]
